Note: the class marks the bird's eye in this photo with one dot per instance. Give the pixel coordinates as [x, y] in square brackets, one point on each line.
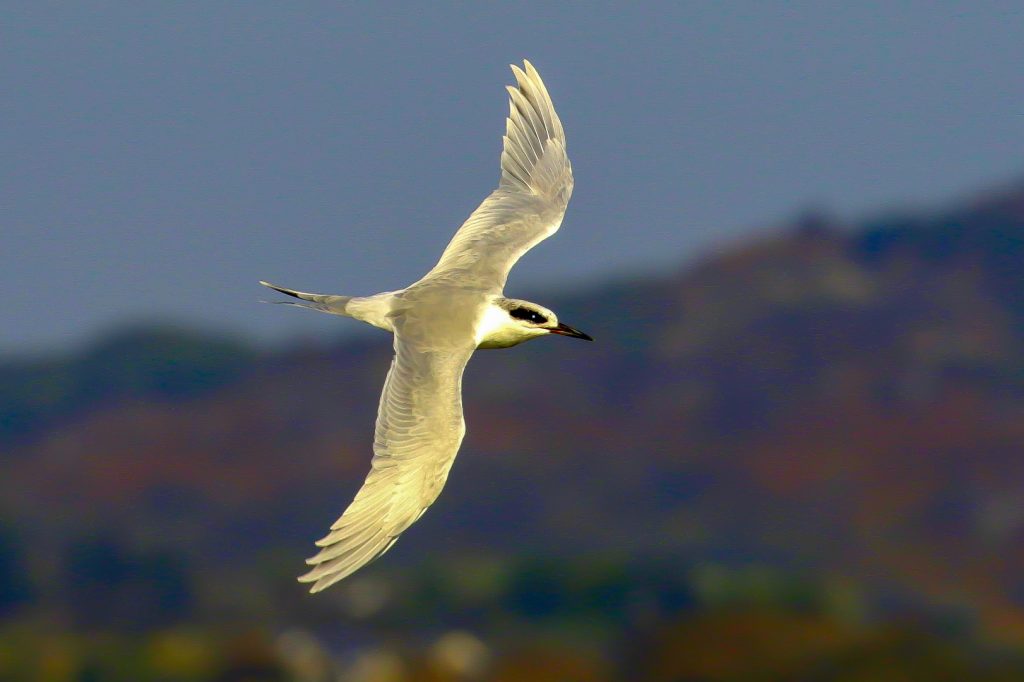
[528, 315]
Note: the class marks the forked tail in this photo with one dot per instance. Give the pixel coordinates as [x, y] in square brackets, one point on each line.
[335, 305]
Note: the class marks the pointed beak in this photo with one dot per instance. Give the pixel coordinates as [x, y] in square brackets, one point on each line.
[566, 330]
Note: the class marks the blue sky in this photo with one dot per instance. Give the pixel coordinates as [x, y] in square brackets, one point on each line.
[159, 158]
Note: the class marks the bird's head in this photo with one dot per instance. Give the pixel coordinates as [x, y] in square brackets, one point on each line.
[511, 321]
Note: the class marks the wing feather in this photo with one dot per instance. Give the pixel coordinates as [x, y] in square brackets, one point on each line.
[419, 430]
[528, 205]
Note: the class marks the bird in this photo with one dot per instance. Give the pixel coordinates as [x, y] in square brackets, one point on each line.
[437, 323]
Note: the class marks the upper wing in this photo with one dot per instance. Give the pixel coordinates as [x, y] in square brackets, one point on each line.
[536, 182]
[419, 430]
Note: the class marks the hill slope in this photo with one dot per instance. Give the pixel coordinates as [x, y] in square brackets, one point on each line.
[845, 399]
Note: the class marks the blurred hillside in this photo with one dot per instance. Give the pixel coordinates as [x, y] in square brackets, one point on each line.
[809, 447]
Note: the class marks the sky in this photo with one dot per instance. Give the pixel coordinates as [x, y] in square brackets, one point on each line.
[160, 158]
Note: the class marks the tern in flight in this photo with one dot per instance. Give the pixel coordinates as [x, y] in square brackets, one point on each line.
[437, 323]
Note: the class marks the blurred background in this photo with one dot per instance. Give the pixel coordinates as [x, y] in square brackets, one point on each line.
[795, 451]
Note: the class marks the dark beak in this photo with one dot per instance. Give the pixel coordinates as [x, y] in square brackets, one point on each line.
[566, 330]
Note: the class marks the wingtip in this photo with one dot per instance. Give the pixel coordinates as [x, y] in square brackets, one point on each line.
[314, 588]
[527, 70]
[319, 584]
[523, 78]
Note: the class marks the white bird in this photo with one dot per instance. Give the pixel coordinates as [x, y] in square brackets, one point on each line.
[438, 322]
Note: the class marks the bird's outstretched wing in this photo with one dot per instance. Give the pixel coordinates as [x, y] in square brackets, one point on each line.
[528, 205]
[419, 430]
